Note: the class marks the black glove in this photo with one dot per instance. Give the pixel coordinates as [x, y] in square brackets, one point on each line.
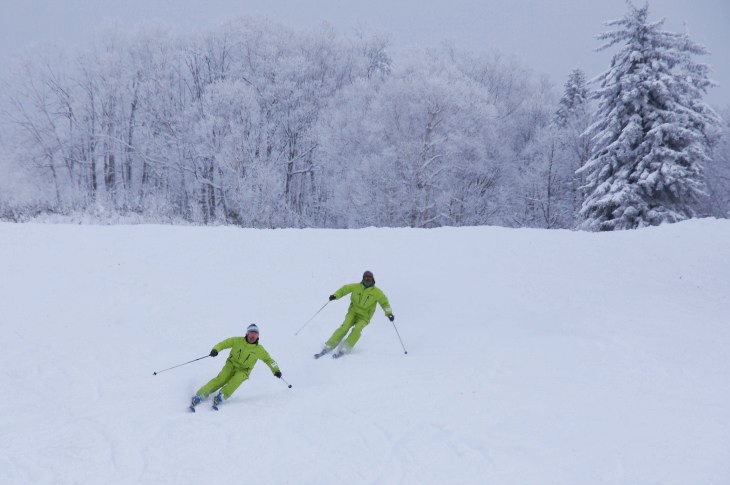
[213, 353]
[278, 374]
[333, 297]
[391, 317]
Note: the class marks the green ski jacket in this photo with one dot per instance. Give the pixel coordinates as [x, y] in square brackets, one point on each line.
[363, 300]
[245, 355]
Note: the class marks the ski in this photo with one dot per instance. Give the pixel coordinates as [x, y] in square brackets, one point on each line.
[192, 408]
[317, 356]
[337, 355]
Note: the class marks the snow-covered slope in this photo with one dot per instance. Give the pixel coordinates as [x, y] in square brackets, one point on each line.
[534, 357]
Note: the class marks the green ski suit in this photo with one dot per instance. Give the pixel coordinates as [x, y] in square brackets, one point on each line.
[238, 366]
[362, 307]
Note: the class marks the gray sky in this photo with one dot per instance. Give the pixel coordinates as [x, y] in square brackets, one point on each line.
[548, 36]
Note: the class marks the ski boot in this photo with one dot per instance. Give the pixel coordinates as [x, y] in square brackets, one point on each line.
[325, 350]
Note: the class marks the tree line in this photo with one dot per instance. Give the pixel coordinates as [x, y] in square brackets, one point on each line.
[260, 125]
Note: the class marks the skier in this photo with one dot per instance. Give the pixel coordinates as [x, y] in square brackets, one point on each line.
[245, 352]
[364, 296]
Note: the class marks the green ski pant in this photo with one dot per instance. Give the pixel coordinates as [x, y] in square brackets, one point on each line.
[228, 380]
[354, 322]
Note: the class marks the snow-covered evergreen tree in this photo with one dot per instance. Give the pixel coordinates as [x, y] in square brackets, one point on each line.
[650, 135]
[574, 145]
[575, 98]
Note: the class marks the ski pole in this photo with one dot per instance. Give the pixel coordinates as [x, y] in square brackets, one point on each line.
[312, 317]
[401, 340]
[163, 370]
[282, 380]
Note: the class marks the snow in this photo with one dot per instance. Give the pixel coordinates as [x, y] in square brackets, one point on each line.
[534, 356]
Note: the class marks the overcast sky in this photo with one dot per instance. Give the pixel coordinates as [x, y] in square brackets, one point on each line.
[548, 36]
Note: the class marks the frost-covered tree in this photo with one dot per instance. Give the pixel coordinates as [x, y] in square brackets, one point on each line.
[574, 145]
[650, 134]
[575, 98]
[259, 125]
[717, 174]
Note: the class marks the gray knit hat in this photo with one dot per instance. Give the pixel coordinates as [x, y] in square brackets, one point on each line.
[252, 328]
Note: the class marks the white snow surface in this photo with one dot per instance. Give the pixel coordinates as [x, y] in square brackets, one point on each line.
[533, 356]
